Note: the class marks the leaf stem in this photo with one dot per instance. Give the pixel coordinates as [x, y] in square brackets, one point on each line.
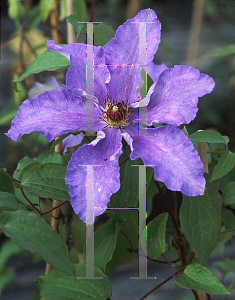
[54, 207]
[31, 204]
[122, 162]
[220, 254]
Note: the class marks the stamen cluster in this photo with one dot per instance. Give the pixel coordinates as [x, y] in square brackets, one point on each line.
[116, 114]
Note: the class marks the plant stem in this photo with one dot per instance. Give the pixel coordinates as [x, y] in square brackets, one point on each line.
[92, 11]
[195, 29]
[195, 294]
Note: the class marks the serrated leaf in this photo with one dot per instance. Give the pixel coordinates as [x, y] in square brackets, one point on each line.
[229, 193]
[8, 202]
[60, 286]
[156, 231]
[221, 52]
[33, 234]
[103, 33]
[46, 61]
[105, 239]
[45, 180]
[45, 8]
[198, 277]
[230, 264]
[200, 219]
[225, 164]
[75, 22]
[209, 136]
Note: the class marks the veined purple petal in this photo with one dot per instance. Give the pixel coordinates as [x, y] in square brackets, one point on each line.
[154, 71]
[172, 155]
[76, 77]
[103, 155]
[175, 97]
[122, 54]
[52, 113]
[72, 140]
[51, 84]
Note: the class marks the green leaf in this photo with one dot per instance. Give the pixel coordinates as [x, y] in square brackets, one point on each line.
[6, 275]
[33, 234]
[46, 61]
[105, 242]
[128, 194]
[221, 52]
[80, 10]
[229, 193]
[44, 157]
[209, 136]
[228, 219]
[130, 228]
[8, 113]
[60, 286]
[156, 231]
[6, 183]
[45, 8]
[200, 219]
[230, 264]
[198, 277]
[8, 202]
[45, 180]
[8, 249]
[2, 166]
[225, 164]
[75, 22]
[103, 33]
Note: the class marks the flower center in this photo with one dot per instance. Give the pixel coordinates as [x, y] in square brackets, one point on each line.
[116, 114]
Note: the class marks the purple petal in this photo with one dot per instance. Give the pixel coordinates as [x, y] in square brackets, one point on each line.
[51, 84]
[122, 54]
[173, 157]
[175, 97]
[52, 113]
[76, 76]
[154, 71]
[104, 152]
[72, 140]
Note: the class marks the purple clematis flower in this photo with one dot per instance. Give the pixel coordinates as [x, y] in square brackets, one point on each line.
[172, 100]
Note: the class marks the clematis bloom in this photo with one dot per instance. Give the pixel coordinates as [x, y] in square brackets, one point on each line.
[172, 100]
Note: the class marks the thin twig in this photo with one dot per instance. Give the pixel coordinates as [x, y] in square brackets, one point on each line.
[158, 286]
[220, 254]
[181, 244]
[127, 239]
